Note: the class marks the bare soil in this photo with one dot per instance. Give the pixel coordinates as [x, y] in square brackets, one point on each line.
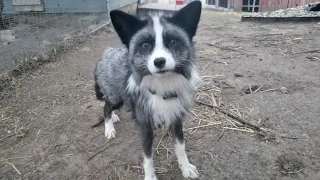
[45, 118]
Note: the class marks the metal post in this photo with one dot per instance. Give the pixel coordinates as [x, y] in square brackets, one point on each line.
[2, 26]
[108, 7]
[254, 5]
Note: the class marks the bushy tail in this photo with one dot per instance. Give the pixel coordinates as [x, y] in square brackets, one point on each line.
[99, 95]
[97, 88]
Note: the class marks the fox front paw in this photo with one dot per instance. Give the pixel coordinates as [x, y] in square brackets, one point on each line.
[189, 171]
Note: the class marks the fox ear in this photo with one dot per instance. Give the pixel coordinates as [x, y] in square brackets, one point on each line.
[188, 18]
[126, 25]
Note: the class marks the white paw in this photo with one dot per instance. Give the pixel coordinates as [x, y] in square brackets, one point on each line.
[153, 177]
[109, 130]
[189, 171]
[110, 133]
[115, 118]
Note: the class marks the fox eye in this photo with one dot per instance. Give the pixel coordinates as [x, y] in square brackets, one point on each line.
[172, 42]
[146, 45]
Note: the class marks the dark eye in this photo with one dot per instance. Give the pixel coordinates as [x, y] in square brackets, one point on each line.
[172, 42]
[145, 45]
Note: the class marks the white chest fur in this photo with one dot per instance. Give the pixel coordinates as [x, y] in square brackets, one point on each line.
[166, 110]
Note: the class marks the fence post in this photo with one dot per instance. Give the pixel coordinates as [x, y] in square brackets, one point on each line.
[1, 20]
[108, 8]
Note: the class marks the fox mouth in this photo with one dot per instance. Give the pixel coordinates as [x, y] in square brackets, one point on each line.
[163, 71]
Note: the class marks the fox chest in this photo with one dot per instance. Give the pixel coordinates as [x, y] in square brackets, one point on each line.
[168, 107]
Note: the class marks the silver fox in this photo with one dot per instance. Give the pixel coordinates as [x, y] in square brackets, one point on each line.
[155, 74]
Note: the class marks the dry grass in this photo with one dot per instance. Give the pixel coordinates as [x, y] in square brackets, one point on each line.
[206, 116]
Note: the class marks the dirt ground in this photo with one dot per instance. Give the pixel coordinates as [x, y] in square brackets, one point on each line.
[45, 119]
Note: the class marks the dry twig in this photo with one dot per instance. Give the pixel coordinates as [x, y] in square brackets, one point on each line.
[157, 147]
[228, 49]
[14, 167]
[222, 132]
[232, 116]
[100, 151]
[309, 51]
[8, 136]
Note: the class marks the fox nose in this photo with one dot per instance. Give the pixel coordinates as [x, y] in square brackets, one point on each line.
[159, 62]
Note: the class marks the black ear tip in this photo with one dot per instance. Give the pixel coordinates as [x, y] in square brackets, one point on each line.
[196, 3]
[193, 6]
[115, 12]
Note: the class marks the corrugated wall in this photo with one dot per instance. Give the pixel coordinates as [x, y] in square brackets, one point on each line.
[74, 6]
[116, 4]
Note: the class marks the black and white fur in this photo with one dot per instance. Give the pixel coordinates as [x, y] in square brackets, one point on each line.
[155, 73]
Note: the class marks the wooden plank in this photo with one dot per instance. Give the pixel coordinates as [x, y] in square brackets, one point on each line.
[279, 19]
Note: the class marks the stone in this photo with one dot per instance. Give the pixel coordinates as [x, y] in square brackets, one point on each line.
[46, 43]
[85, 49]
[283, 90]
[7, 35]
[313, 58]
[250, 89]
[36, 58]
[45, 56]
[238, 75]
[66, 37]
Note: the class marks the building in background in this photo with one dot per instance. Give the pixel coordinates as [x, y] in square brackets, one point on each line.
[244, 5]
[258, 5]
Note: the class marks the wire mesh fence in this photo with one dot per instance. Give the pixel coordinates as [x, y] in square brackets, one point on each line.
[31, 29]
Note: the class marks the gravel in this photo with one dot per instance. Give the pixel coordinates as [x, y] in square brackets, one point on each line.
[301, 11]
